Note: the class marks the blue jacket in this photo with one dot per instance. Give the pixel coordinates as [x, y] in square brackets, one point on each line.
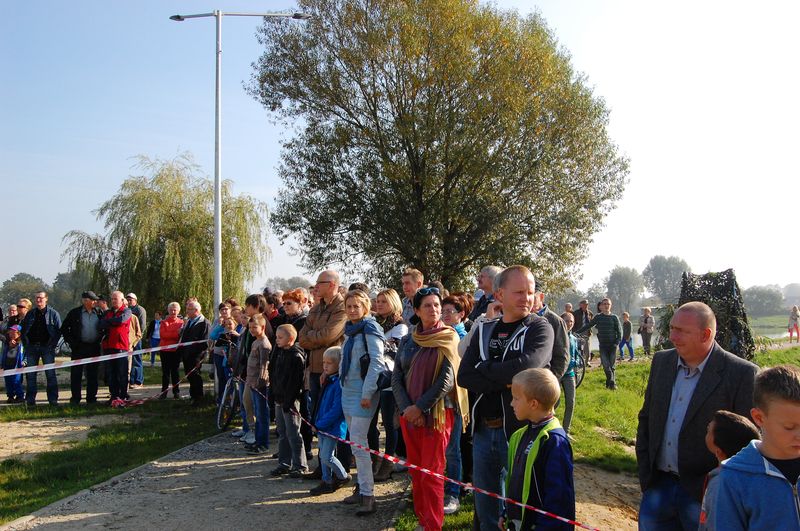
[51, 319]
[753, 494]
[20, 356]
[329, 416]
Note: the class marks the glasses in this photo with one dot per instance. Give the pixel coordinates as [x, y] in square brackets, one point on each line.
[40, 298]
[428, 291]
[450, 312]
[323, 282]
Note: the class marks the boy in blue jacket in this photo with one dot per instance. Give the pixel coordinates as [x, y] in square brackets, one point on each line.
[539, 456]
[13, 354]
[328, 416]
[758, 486]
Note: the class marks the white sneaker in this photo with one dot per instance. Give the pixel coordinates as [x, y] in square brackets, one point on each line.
[249, 438]
[237, 433]
[451, 504]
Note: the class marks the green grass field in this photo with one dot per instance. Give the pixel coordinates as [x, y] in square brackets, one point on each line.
[604, 424]
[770, 325]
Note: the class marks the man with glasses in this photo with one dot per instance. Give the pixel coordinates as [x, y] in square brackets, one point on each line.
[324, 328]
[500, 349]
[486, 284]
[41, 330]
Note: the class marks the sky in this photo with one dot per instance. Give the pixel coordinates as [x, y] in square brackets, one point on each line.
[703, 100]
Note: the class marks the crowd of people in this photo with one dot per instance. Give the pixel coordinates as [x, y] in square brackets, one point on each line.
[465, 387]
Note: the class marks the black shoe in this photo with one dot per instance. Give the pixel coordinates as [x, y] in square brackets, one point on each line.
[314, 475]
[258, 450]
[339, 483]
[299, 473]
[281, 470]
[322, 488]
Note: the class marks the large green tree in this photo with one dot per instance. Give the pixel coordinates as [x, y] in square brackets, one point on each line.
[21, 285]
[443, 134]
[624, 286]
[662, 277]
[764, 300]
[158, 239]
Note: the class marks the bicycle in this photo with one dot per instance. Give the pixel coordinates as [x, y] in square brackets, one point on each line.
[229, 405]
[580, 370]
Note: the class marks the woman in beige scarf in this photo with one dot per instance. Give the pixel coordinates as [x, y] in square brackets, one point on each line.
[423, 382]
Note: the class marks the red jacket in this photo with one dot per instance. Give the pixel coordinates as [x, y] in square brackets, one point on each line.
[116, 324]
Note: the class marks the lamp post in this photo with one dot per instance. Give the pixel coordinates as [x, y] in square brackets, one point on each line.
[217, 14]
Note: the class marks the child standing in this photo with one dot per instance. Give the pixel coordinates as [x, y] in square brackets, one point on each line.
[329, 417]
[226, 341]
[287, 388]
[758, 486]
[568, 380]
[11, 358]
[539, 456]
[626, 340]
[726, 435]
[258, 381]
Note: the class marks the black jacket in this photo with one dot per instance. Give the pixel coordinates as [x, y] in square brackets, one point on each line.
[71, 327]
[288, 368]
[199, 330]
[531, 347]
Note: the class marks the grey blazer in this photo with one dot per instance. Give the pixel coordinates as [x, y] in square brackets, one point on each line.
[726, 383]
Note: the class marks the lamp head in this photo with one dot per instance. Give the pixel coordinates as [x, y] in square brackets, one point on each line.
[301, 16]
[177, 18]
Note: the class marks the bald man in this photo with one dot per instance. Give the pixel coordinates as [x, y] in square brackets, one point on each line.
[687, 385]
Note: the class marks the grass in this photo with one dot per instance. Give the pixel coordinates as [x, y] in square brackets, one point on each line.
[604, 424]
[770, 325]
[165, 426]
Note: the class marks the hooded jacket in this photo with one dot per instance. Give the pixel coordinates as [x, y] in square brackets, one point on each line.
[753, 494]
[530, 346]
[328, 414]
[287, 368]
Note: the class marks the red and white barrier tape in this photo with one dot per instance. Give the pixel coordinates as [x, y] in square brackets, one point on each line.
[467, 486]
[93, 359]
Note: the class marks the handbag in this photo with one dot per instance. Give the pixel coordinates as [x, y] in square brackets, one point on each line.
[385, 376]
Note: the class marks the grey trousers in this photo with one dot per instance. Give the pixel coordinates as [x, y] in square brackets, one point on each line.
[291, 451]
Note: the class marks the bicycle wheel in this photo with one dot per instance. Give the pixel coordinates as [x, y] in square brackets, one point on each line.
[228, 406]
[580, 370]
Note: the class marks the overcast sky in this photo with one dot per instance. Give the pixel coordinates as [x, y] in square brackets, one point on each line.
[703, 99]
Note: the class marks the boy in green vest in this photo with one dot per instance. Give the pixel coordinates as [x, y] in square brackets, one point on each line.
[539, 457]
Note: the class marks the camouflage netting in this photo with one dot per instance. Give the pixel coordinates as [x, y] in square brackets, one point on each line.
[722, 293]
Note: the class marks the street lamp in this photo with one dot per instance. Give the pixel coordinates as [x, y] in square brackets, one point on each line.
[217, 14]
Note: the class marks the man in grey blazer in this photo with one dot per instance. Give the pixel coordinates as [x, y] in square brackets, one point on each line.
[687, 385]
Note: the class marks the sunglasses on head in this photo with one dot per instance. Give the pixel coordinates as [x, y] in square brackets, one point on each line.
[428, 291]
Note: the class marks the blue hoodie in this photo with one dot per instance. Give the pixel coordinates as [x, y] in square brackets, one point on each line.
[753, 494]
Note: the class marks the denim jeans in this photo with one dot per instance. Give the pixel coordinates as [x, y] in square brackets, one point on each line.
[359, 426]
[666, 506]
[242, 410]
[117, 375]
[489, 461]
[291, 451]
[569, 400]
[608, 357]
[327, 458]
[33, 353]
[262, 416]
[223, 374]
[629, 344]
[452, 456]
[342, 450]
[137, 368]
[154, 342]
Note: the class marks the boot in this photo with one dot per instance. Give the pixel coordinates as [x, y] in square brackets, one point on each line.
[376, 463]
[367, 506]
[384, 472]
[354, 498]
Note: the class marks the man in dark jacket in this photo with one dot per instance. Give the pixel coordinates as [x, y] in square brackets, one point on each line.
[81, 331]
[560, 359]
[687, 385]
[486, 284]
[500, 349]
[137, 368]
[582, 317]
[195, 328]
[41, 330]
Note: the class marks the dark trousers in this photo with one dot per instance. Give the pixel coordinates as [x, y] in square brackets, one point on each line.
[169, 371]
[83, 351]
[305, 429]
[117, 375]
[190, 361]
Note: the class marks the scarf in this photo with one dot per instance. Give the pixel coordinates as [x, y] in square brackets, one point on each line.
[445, 340]
[367, 325]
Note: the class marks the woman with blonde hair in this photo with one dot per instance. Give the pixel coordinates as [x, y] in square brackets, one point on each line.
[794, 318]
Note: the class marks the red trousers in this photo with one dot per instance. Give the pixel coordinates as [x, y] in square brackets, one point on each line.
[425, 447]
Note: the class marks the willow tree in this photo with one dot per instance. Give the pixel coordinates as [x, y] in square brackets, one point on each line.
[158, 239]
[443, 134]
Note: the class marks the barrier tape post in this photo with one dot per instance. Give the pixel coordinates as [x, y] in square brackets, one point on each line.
[467, 486]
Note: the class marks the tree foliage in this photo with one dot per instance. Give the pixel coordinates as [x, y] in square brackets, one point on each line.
[624, 286]
[662, 277]
[791, 292]
[21, 285]
[443, 134]
[158, 238]
[763, 300]
[286, 284]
